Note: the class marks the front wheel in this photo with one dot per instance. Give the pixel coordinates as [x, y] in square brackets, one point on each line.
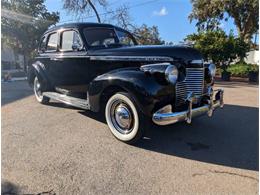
[37, 88]
[124, 118]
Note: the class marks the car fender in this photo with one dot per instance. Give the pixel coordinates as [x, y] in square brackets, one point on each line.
[144, 88]
[38, 69]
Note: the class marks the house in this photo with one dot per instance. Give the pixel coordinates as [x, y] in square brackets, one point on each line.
[11, 60]
[252, 57]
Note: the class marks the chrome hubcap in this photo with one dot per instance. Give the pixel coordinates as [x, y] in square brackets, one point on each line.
[122, 117]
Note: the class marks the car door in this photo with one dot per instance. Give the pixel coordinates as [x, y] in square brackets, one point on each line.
[46, 52]
[49, 54]
[72, 60]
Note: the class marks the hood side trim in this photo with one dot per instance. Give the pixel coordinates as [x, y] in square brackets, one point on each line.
[131, 58]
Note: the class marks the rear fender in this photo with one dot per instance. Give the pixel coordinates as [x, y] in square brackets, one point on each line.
[38, 69]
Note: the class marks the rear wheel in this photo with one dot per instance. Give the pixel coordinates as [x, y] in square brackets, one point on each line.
[37, 88]
[124, 118]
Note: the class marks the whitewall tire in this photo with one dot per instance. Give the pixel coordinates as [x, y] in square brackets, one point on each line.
[37, 88]
[124, 118]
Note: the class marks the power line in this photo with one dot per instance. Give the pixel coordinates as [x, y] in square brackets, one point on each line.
[110, 12]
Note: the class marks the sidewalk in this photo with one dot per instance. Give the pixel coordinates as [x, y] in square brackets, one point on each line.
[13, 75]
[235, 79]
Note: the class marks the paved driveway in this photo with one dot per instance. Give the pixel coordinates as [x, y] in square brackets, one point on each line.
[57, 149]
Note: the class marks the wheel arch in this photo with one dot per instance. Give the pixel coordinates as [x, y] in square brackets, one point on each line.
[108, 92]
[38, 69]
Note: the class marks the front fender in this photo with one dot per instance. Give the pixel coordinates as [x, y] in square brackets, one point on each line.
[145, 88]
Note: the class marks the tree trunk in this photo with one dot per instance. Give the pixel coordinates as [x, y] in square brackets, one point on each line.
[93, 7]
[26, 60]
[245, 36]
[243, 30]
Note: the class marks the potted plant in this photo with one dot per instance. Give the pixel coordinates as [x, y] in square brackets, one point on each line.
[253, 73]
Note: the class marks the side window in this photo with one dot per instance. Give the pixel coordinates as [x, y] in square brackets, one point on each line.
[124, 38]
[70, 41]
[42, 46]
[52, 42]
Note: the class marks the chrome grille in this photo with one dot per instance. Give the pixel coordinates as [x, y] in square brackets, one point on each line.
[194, 82]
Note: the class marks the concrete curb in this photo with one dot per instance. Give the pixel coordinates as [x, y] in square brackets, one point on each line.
[15, 79]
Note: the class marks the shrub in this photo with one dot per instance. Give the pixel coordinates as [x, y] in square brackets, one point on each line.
[253, 68]
[241, 69]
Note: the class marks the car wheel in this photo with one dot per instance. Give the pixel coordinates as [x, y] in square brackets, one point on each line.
[124, 118]
[37, 88]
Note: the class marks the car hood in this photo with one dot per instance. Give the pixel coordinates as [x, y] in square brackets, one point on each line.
[177, 53]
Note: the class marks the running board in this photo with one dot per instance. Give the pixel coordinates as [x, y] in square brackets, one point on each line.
[72, 101]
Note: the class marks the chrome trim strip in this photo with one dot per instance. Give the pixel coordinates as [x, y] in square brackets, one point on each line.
[131, 58]
[197, 62]
[72, 101]
[113, 58]
[165, 116]
[61, 56]
[152, 67]
[79, 56]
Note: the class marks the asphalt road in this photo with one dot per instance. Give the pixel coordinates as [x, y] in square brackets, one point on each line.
[57, 149]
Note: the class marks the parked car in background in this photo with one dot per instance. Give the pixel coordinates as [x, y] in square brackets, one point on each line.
[100, 67]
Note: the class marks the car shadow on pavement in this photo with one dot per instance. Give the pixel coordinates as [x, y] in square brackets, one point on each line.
[230, 138]
[94, 115]
[8, 188]
[14, 91]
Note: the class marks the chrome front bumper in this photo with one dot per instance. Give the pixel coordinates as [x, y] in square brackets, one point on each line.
[165, 116]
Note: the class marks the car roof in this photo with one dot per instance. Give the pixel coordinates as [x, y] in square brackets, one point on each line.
[80, 25]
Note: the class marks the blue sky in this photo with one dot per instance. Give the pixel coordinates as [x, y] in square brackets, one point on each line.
[171, 16]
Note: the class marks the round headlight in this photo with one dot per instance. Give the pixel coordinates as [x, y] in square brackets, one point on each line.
[212, 70]
[171, 74]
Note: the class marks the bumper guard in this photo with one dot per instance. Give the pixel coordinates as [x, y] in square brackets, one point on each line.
[165, 116]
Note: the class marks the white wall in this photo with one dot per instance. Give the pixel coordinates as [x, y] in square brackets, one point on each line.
[252, 57]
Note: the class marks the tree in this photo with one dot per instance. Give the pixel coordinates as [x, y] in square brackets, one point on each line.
[244, 12]
[147, 35]
[23, 22]
[144, 35]
[219, 47]
[169, 43]
[119, 16]
[80, 7]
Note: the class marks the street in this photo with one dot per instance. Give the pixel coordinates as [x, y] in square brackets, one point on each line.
[57, 149]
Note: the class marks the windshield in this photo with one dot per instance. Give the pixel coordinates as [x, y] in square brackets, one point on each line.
[106, 37]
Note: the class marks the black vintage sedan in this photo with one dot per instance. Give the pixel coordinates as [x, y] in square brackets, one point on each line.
[100, 67]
